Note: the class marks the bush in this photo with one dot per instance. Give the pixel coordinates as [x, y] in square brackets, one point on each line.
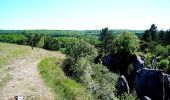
[164, 65]
[126, 96]
[160, 50]
[168, 50]
[127, 43]
[51, 43]
[96, 77]
[80, 48]
[105, 82]
[63, 87]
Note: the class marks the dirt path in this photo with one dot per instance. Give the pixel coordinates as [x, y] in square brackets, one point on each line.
[26, 80]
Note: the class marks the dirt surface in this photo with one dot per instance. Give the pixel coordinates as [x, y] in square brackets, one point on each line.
[26, 80]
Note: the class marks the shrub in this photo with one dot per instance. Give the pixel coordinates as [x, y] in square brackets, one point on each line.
[96, 77]
[105, 82]
[51, 43]
[63, 87]
[80, 48]
[168, 50]
[160, 50]
[164, 65]
[127, 43]
[126, 96]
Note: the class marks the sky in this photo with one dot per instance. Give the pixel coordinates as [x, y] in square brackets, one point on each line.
[84, 14]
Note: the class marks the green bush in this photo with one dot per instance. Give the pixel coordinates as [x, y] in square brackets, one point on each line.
[80, 48]
[63, 87]
[168, 50]
[160, 50]
[125, 96]
[164, 65]
[51, 43]
[95, 77]
[105, 82]
[127, 43]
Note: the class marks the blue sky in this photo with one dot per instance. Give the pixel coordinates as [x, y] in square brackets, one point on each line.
[84, 14]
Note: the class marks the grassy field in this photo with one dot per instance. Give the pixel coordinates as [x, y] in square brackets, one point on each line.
[8, 53]
[63, 87]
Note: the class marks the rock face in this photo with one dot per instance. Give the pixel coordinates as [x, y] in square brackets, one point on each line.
[117, 63]
[149, 82]
[167, 86]
[122, 85]
[138, 63]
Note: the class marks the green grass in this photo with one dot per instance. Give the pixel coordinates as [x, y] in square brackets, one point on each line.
[63, 87]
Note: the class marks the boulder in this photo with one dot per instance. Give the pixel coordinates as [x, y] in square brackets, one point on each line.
[166, 86]
[149, 82]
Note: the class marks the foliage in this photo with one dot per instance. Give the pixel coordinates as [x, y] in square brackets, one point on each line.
[105, 82]
[168, 50]
[80, 48]
[65, 43]
[94, 40]
[160, 50]
[51, 43]
[64, 88]
[107, 40]
[13, 38]
[164, 65]
[167, 37]
[96, 77]
[148, 60]
[33, 39]
[41, 43]
[126, 96]
[127, 43]
[151, 34]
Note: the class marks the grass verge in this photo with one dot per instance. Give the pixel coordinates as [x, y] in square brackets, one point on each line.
[63, 87]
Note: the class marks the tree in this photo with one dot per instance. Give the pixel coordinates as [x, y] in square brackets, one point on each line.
[51, 43]
[36, 39]
[162, 36]
[80, 48]
[151, 34]
[167, 37]
[127, 43]
[33, 39]
[106, 39]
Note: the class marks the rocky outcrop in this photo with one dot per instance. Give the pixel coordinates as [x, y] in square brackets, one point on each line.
[122, 85]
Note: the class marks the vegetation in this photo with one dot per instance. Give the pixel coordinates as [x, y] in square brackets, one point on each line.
[63, 87]
[13, 38]
[91, 80]
[127, 43]
[107, 40]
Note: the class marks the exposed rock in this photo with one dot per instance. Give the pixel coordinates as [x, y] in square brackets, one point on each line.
[122, 86]
[149, 82]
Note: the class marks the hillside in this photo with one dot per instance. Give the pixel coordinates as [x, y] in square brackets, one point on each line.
[19, 72]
